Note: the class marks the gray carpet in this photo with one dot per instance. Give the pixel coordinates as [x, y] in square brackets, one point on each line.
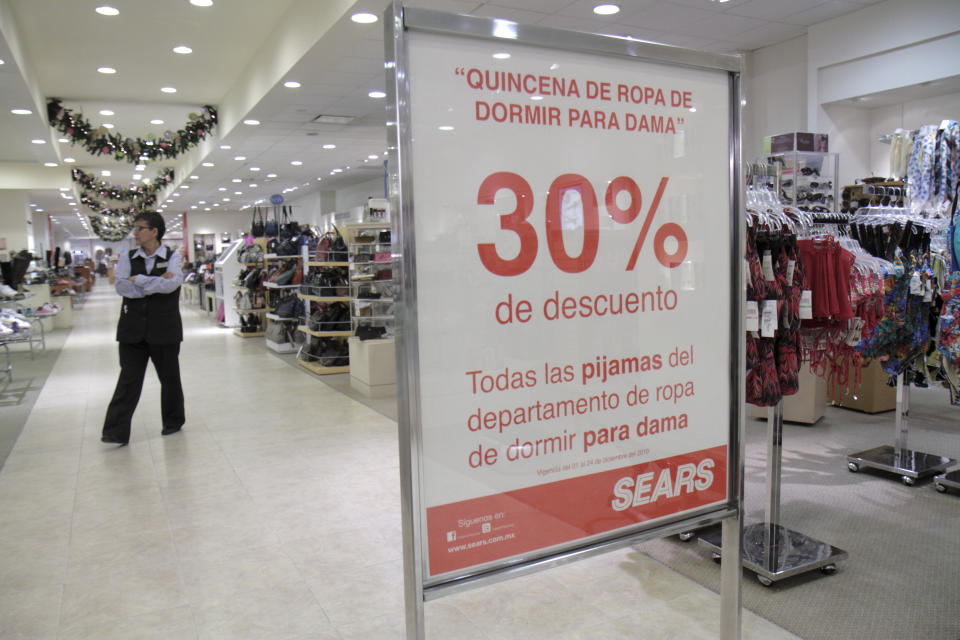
[902, 577]
[17, 396]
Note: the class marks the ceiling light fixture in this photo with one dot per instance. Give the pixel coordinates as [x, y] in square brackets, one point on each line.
[254, 168]
[606, 9]
[445, 127]
[62, 140]
[329, 146]
[377, 94]
[373, 156]
[107, 11]
[105, 173]
[38, 141]
[239, 158]
[194, 177]
[296, 163]
[207, 164]
[106, 112]
[49, 164]
[236, 180]
[21, 112]
[364, 17]
[291, 84]
[168, 89]
[182, 49]
[69, 160]
[225, 146]
[201, 3]
[141, 167]
[251, 122]
[238, 193]
[502, 56]
[107, 70]
[136, 176]
[107, 125]
[252, 185]
[221, 188]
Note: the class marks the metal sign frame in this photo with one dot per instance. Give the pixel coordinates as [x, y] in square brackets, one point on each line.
[398, 20]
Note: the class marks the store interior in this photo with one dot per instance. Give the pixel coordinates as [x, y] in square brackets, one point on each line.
[268, 159]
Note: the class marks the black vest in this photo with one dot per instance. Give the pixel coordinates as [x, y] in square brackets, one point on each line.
[154, 318]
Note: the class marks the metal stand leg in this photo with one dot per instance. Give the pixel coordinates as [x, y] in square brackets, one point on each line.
[899, 459]
[770, 550]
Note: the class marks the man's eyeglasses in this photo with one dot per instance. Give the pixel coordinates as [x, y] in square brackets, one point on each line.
[138, 227]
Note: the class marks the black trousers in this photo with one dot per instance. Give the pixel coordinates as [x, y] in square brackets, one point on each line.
[133, 367]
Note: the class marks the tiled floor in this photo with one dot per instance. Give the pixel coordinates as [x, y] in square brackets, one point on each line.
[274, 514]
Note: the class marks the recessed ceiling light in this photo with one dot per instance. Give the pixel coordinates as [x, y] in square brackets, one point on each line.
[193, 206]
[156, 121]
[107, 11]
[106, 112]
[105, 173]
[251, 122]
[252, 185]
[271, 175]
[225, 199]
[606, 9]
[168, 89]
[206, 208]
[38, 141]
[72, 204]
[201, 3]
[445, 127]
[373, 156]
[21, 112]
[225, 146]
[106, 70]
[364, 17]
[377, 94]
[238, 193]
[291, 84]
[201, 202]
[236, 180]
[254, 168]
[329, 146]
[107, 125]
[221, 188]
[535, 98]
[502, 56]
[184, 186]
[194, 177]
[141, 167]
[49, 164]
[69, 160]
[39, 210]
[216, 204]
[337, 171]
[62, 140]
[207, 164]
[296, 163]
[136, 176]
[239, 158]
[182, 49]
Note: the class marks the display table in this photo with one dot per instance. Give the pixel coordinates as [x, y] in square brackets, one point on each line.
[64, 319]
[373, 369]
[209, 301]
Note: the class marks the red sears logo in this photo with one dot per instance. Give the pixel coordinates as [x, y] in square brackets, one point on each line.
[670, 482]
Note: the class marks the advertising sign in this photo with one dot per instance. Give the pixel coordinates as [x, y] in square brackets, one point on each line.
[573, 295]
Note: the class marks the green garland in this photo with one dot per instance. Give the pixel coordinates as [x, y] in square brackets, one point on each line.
[98, 141]
[111, 229]
[142, 195]
[108, 212]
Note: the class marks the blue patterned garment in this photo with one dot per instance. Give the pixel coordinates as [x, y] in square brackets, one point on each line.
[947, 163]
[920, 169]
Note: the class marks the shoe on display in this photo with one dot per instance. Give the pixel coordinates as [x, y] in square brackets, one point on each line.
[7, 291]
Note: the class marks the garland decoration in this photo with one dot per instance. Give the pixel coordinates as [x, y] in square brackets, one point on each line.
[99, 141]
[105, 211]
[111, 229]
[142, 195]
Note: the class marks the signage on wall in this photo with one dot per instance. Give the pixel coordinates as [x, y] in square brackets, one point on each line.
[573, 296]
[276, 199]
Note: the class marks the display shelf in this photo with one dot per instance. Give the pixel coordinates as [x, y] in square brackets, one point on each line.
[320, 370]
[273, 285]
[276, 318]
[244, 311]
[305, 296]
[256, 334]
[281, 347]
[358, 300]
[325, 334]
[379, 318]
[273, 256]
[312, 263]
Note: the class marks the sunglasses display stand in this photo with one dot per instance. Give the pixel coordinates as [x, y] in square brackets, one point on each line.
[772, 551]
[808, 179]
[899, 459]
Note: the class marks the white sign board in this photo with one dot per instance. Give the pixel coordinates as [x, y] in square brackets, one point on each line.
[573, 289]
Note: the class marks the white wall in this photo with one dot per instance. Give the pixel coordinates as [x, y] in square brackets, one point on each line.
[907, 115]
[776, 93]
[356, 196]
[14, 219]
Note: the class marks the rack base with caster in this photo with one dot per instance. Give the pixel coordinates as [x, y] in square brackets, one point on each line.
[908, 464]
[775, 553]
[949, 480]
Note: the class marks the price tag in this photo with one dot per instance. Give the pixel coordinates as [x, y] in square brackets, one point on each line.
[752, 321]
[791, 266]
[855, 333]
[767, 267]
[768, 321]
[928, 291]
[806, 305]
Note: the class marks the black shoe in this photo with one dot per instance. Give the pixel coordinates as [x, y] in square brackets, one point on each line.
[113, 440]
[168, 430]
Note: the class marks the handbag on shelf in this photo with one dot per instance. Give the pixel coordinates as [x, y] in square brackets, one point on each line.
[242, 298]
[289, 307]
[382, 257]
[338, 248]
[276, 332]
[271, 227]
[323, 248]
[289, 227]
[384, 237]
[285, 277]
[369, 332]
[252, 280]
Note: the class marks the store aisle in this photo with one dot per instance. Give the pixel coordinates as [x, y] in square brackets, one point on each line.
[274, 514]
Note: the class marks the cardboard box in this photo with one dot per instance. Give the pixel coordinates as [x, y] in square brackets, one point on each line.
[806, 406]
[873, 395]
[797, 141]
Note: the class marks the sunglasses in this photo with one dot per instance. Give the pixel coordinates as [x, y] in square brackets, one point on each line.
[808, 171]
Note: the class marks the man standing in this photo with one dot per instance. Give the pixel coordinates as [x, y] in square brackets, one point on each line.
[150, 328]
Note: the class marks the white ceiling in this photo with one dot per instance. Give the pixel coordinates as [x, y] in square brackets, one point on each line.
[243, 51]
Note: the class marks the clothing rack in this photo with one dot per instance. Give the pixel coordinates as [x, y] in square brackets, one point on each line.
[774, 552]
[899, 459]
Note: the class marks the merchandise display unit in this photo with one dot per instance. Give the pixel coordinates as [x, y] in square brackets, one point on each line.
[807, 179]
[770, 550]
[372, 285]
[899, 459]
[274, 293]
